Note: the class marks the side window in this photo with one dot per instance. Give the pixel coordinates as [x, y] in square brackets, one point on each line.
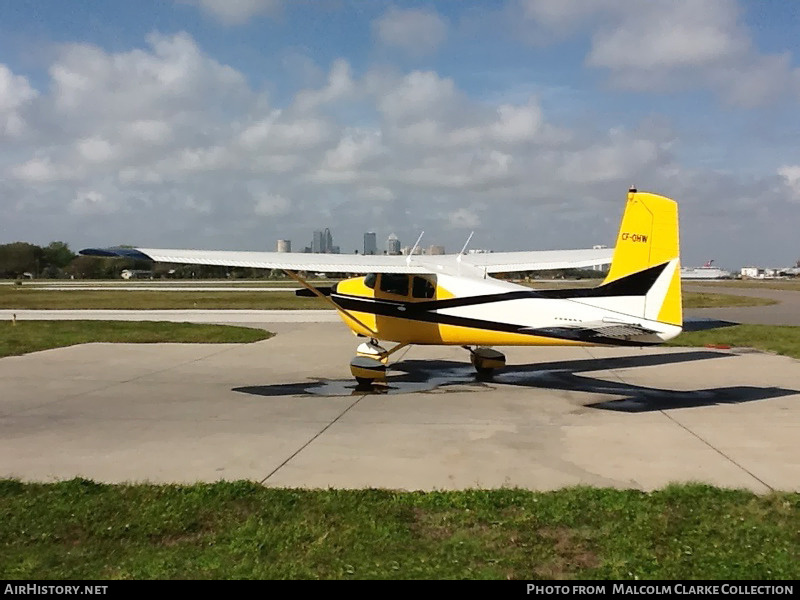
[393, 283]
[370, 280]
[422, 288]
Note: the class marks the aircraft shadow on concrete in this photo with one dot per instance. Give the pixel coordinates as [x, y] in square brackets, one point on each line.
[414, 376]
[705, 323]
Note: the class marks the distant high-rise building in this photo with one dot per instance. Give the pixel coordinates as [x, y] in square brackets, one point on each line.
[436, 250]
[370, 243]
[317, 242]
[392, 244]
[322, 242]
[284, 246]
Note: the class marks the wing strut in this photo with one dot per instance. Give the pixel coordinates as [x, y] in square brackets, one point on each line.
[316, 292]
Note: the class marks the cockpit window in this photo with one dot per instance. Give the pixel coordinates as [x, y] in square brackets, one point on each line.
[393, 283]
[370, 280]
[422, 288]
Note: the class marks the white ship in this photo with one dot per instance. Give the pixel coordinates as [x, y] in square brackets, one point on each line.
[707, 271]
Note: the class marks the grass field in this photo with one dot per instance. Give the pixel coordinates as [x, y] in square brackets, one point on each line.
[767, 284]
[31, 336]
[83, 530]
[29, 298]
[707, 300]
[782, 339]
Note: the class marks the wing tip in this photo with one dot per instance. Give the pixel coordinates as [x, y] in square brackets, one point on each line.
[115, 252]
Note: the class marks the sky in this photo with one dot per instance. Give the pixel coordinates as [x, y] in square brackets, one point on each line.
[230, 124]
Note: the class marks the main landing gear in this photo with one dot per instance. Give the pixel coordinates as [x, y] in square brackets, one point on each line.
[369, 365]
[486, 360]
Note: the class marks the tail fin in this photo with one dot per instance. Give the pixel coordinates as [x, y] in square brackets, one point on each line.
[648, 237]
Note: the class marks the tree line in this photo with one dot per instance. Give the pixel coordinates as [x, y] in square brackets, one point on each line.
[21, 260]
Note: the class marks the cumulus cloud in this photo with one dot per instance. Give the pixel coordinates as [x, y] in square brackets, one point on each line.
[355, 150]
[790, 174]
[90, 202]
[340, 85]
[464, 218]
[668, 44]
[236, 12]
[415, 31]
[670, 34]
[267, 204]
[15, 94]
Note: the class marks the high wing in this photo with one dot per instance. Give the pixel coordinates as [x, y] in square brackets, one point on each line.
[494, 262]
[538, 260]
[290, 261]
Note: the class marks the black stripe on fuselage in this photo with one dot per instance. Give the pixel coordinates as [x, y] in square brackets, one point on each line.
[637, 284]
[422, 311]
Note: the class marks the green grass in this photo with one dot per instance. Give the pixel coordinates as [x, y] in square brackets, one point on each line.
[82, 530]
[27, 298]
[31, 336]
[762, 284]
[706, 300]
[782, 339]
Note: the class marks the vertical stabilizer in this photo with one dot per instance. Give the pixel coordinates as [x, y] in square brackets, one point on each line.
[648, 236]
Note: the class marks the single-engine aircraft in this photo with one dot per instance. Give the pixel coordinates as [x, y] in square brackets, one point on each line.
[453, 300]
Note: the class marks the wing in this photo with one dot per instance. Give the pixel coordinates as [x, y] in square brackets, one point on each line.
[539, 260]
[494, 262]
[290, 261]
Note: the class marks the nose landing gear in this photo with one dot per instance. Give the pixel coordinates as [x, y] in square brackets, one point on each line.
[369, 364]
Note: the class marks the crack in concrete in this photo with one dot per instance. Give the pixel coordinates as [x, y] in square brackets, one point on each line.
[311, 441]
[697, 436]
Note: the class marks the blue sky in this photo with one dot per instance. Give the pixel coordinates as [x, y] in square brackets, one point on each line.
[233, 123]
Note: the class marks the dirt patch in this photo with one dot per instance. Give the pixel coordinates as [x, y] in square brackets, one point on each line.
[572, 553]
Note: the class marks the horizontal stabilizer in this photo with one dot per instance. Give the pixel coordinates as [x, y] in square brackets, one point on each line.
[601, 333]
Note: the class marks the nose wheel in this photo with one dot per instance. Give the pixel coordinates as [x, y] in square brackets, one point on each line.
[486, 361]
[369, 364]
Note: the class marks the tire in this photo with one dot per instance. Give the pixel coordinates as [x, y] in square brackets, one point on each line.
[484, 374]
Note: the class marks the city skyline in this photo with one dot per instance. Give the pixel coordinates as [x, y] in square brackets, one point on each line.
[322, 243]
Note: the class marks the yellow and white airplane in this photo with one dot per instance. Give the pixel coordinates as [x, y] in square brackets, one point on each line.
[452, 300]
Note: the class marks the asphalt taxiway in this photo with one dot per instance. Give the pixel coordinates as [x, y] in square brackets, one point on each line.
[786, 311]
[286, 413]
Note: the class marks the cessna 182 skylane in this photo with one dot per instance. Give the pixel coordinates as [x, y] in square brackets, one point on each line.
[452, 300]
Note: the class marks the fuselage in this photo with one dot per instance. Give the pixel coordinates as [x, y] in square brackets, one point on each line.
[473, 311]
